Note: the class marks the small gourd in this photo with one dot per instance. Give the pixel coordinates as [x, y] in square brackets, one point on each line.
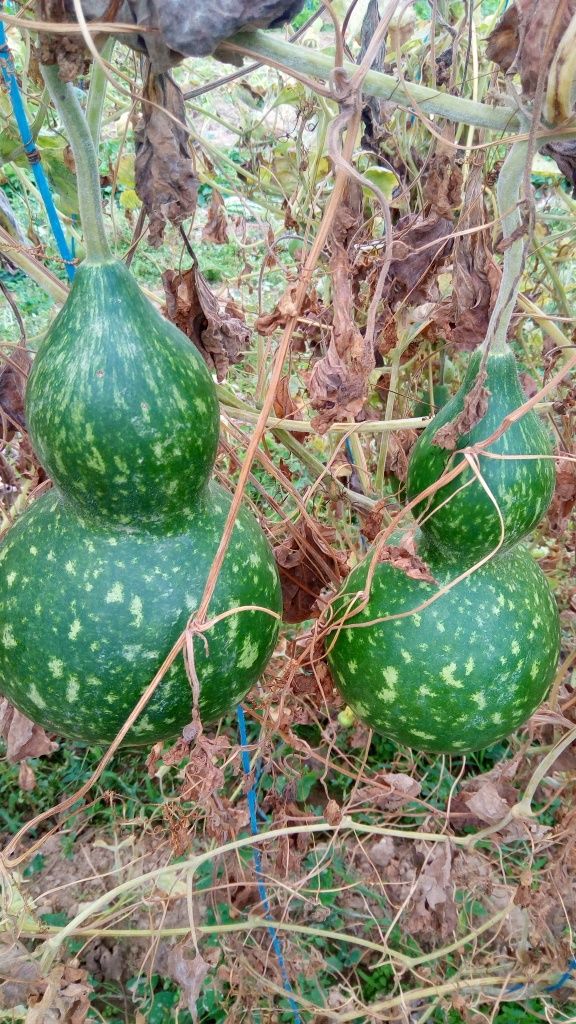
[462, 672]
[100, 576]
[521, 483]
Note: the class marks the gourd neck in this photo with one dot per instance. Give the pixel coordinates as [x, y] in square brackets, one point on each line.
[86, 160]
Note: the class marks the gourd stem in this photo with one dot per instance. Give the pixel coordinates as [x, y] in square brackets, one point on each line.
[509, 186]
[97, 93]
[85, 158]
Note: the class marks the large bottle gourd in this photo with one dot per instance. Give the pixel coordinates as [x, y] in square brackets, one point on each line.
[100, 575]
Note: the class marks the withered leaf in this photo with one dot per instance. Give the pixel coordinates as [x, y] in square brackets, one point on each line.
[443, 185]
[65, 999]
[419, 243]
[23, 738]
[528, 33]
[216, 227]
[407, 561]
[193, 307]
[475, 278]
[339, 380]
[400, 444]
[26, 777]
[307, 563]
[389, 790]
[165, 178]
[564, 153]
[189, 975]
[13, 376]
[475, 406]
[564, 498]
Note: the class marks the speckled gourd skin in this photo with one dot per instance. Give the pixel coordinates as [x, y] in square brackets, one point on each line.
[88, 613]
[120, 406]
[523, 487]
[460, 674]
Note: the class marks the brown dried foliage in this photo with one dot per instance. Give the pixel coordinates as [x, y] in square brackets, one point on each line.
[528, 32]
[404, 558]
[166, 181]
[475, 407]
[308, 563]
[222, 338]
[23, 738]
[339, 380]
[216, 226]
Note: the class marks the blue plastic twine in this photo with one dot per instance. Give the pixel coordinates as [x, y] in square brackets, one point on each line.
[32, 152]
[257, 857]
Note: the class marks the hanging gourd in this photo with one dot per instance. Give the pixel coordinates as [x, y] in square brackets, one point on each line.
[455, 660]
[459, 673]
[519, 486]
[100, 575]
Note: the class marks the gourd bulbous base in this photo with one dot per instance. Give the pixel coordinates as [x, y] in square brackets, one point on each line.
[89, 613]
[461, 673]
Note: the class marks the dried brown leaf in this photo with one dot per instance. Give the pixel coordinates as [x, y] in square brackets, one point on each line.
[400, 444]
[333, 813]
[528, 33]
[307, 563]
[26, 777]
[193, 307]
[13, 376]
[420, 243]
[443, 186]
[475, 406]
[165, 177]
[564, 498]
[339, 380]
[475, 278]
[388, 790]
[216, 227]
[23, 738]
[407, 561]
[487, 804]
[65, 999]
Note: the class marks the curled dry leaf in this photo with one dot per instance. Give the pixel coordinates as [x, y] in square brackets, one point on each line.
[388, 790]
[400, 444]
[403, 558]
[65, 999]
[193, 307]
[23, 738]
[419, 243]
[443, 186]
[216, 227]
[307, 563]
[564, 498]
[180, 28]
[528, 32]
[26, 777]
[13, 376]
[475, 406]
[475, 277]
[165, 178]
[189, 975]
[339, 380]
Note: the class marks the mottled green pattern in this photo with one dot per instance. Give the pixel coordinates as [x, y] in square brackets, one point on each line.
[522, 487]
[88, 614]
[121, 408]
[461, 673]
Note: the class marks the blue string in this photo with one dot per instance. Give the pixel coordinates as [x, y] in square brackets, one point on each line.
[11, 82]
[257, 856]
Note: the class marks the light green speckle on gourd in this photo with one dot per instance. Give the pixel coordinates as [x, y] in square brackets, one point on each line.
[459, 674]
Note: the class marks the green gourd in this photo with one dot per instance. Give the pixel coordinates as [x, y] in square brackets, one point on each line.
[100, 576]
[89, 612]
[522, 486]
[459, 674]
